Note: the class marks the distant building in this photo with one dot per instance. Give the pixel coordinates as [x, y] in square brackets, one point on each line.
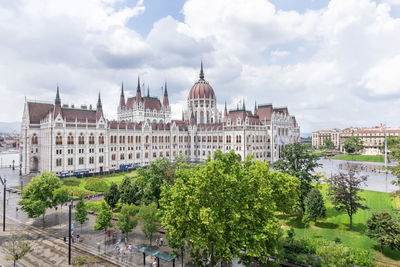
[373, 138]
[71, 140]
[319, 137]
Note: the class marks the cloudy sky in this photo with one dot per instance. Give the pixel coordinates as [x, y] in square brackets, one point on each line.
[333, 63]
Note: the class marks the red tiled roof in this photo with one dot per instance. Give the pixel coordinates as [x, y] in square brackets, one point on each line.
[38, 110]
[264, 112]
[152, 103]
[79, 114]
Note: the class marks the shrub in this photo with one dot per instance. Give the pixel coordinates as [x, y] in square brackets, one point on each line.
[94, 205]
[362, 257]
[96, 184]
[71, 181]
[78, 192]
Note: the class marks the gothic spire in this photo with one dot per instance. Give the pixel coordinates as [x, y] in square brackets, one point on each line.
[201, 71]
[138, 85]
[225, 110]
[122, 98]
[165, 89]
[165, 99]
[244, 105]
[58, 100]
[148, 91]
[99, 102]
[255, 105]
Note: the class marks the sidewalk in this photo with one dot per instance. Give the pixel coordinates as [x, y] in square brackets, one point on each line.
[56, 224]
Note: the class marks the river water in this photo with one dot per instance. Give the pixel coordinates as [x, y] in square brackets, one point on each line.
[378, 179]
[6, 159]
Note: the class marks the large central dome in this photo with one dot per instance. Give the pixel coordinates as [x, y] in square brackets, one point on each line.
[201, 89]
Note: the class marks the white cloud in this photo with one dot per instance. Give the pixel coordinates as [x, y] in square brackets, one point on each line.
[331, 67]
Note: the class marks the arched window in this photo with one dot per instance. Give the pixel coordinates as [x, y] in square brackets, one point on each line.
[81, 139]
[34, 139]
[59, 139]
[70, 139]
[201, 117]
[91, 139]
[101, 139]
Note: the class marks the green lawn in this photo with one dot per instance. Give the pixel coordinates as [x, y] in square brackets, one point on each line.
[371, 158]
[116, 178]
[336, 225]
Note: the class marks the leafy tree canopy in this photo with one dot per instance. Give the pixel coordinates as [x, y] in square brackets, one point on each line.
[81, 214]
[103, 219]
[229, 204]
[343, 192]
[297, 162]
[112, 195]
[353, 144]
[314, 204]
[384, 229]
[126, 222]
[148, 215]
[38, 195]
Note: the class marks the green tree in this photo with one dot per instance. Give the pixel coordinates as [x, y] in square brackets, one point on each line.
[148, 216]
[333, 254]
[81, 213]
[60, 196]
[383, 228]
[298, 162]
[103, 220]
[124, 190]
[392, 142]
[229, 205]
[38, 195]
[343, 192]
[112, 195]
[126, 220]
[314, 204]
[328, 143]
[158, 173]
[353, 144]
[15, 247]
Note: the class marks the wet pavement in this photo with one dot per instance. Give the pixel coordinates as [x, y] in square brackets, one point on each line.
[378, 179]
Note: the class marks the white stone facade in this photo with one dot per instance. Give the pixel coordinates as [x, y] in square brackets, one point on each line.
[69, 141]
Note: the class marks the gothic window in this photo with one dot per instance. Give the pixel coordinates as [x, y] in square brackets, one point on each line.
[91, 160]
[81, 161]
[81, 139]
[58, 162]
[58, 139]
[70, 139]
[201, 117]
[101, 139]
[34, 139]
[70, 161]
[113, 157]
[101, 159]
[91, 139]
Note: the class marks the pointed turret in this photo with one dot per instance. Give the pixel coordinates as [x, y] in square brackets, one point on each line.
[165, 99]
[148, 91]
[244, 105]
[122, 98]
[138, 91]
[225, 111]
[201, 71]
[99, 105]
[255, 107]
[99, 111]
[57, 102]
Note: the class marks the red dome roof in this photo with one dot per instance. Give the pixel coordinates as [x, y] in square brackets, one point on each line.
[201, 89]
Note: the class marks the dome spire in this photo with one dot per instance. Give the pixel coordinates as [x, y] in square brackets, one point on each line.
[201, 70]
[99, 105]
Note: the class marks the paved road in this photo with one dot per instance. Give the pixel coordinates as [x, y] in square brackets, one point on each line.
[56, 226]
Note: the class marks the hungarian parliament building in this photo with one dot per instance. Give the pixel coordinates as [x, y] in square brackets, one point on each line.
[70, 140]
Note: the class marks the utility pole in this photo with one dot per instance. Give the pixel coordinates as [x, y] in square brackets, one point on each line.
[4, 203]
[69, 234]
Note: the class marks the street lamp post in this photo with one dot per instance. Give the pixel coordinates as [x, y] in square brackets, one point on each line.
[13, 165]
[69, 233]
